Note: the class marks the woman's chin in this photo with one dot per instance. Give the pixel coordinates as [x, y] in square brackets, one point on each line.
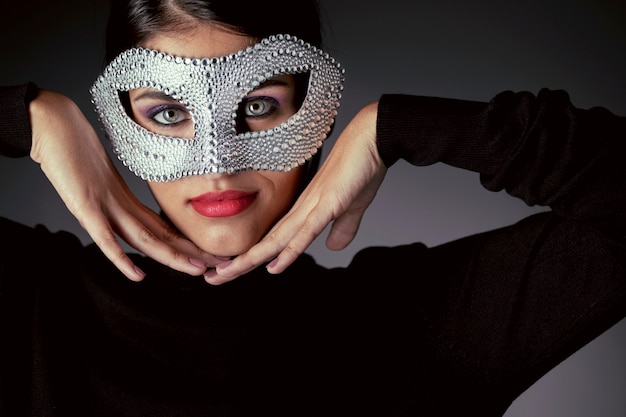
[224, 249]
[220, 240]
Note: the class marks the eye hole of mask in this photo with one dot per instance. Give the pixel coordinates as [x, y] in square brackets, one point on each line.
[272, 103]
[158, 113]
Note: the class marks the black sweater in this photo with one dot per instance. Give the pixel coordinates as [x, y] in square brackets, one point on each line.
[458, 329]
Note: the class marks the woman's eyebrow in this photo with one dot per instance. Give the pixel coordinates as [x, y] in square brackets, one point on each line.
[155, 95]
[272, 82]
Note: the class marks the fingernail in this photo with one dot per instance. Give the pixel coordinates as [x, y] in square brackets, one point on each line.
[223, 258]
[272, 264]
[224, 264]
[197, 262]
[210, 275]
[139, 272]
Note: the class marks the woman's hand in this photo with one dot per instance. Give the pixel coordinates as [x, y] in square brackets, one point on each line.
[71, 155]
[339, 193]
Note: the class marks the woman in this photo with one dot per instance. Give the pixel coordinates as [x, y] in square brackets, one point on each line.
[460, 328]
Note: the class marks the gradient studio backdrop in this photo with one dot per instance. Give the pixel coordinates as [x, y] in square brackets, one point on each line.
[452, 48]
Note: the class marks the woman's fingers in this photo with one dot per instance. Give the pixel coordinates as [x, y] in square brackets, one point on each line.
[289, 245]
[145, 231]
[104, 237]
[287, 240]
[343, 230]
[280, 239]
[148, 233]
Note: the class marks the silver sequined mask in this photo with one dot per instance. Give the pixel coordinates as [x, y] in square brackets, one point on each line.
[211, 89]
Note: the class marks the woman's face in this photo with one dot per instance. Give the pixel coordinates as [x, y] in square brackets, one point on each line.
[223, 214]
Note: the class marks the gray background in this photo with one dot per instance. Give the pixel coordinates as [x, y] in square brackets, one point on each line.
[451, 48]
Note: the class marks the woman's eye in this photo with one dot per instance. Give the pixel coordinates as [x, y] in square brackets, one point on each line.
[170, 116]
[259, 106]
[259, 113]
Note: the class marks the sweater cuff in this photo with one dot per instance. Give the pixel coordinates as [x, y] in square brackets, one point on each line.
[15, 127]
[426, 130]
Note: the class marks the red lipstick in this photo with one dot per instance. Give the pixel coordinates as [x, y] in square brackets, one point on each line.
[222, 204]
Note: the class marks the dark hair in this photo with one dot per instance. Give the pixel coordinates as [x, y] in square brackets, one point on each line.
[132, 21]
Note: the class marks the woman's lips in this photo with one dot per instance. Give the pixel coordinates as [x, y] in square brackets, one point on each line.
[222, 204]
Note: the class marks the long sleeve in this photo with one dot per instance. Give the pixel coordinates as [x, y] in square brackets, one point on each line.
[539, 148]
[15, 129]
[505, 306]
